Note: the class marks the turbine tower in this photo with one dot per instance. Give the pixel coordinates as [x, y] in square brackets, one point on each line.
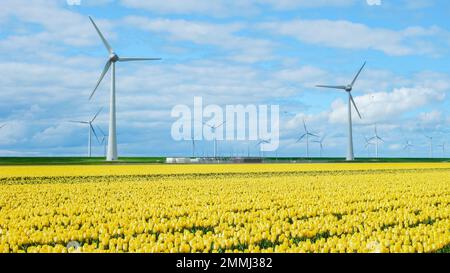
[306, 135]
[111, 62]
[91, 130]
[214, 128]
[377, 140]
[348, 89]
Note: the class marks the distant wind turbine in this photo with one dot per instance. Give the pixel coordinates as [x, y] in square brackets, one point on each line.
[367, 146]
[376, 138]
[104, 141]
[306, 135]
[91, 130]
[430, 138]
[111, 62]
[320, 142]
[408, 146]
[260, 143]
[214, 128]
[193, 147]
[443, 146]
[348, 89]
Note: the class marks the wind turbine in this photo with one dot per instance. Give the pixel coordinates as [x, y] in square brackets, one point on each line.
[104, 141]
[306, 135]
[348, 89]
[320, 142]
[261, 142]
[408, 146]
[91, 130]
[214, 128]
[111, 62]
[377, 140]
[193, 147]
[443, 146]
[430, 138]
[368, 143]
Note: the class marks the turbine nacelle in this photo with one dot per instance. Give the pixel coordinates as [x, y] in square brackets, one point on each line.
[113, 57]
[349, 88]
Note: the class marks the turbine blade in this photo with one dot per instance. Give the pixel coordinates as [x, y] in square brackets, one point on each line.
[304, 125]
[108, 47]
[105, 70]
[332, 86]
[2, 126]
[357, 75]
[81, 122]
[138, 59]
[223, 123]
[95, 133]
[302, 137]
[97, 114]
[208, 125]
[314, 135]
[101, 131]
[354, 104]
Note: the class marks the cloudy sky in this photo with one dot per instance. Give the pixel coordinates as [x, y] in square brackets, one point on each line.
[228, 52]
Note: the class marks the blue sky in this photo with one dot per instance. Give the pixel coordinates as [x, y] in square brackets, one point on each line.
[228, 52]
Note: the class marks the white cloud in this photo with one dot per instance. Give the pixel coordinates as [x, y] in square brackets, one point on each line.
[241, 48]
[350, 35]
[386, 106]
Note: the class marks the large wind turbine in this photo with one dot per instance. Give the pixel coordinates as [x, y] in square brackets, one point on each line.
[377, 140]
[214, 128]
[112, 59]
[91, 130]
[348, 89]
[306, 135]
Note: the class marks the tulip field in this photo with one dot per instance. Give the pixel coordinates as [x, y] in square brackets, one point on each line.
[380, 207]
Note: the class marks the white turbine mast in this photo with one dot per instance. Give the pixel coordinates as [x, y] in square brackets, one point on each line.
[306, 135]
[377, 140]
[91, 130]
[112, 154]
[214, 128]
[348, 89]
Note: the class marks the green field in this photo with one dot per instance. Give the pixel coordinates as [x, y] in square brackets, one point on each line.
[161, 160]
